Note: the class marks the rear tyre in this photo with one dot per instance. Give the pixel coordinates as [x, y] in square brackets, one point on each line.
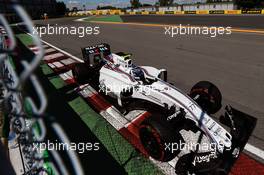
[154, 138]
[80, 73]
[208, 96]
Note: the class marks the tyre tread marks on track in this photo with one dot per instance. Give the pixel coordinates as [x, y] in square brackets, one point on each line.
[61, 64]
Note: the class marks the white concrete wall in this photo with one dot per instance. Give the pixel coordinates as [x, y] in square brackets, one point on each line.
[174, 8]
[190, 7]
[220, 6]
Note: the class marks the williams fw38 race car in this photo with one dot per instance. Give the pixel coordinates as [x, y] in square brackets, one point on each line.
[130, 87]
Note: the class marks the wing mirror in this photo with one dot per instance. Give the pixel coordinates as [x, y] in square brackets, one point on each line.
[163, 74]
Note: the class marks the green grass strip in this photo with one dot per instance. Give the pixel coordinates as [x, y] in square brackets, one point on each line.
[111, 18]
[57, 82]
[46, 70]
[119, 148]
[25, 39]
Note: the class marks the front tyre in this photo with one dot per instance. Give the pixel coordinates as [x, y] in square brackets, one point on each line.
[157, 140]
[207, 95]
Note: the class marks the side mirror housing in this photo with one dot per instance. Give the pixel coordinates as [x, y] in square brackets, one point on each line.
[163, 74]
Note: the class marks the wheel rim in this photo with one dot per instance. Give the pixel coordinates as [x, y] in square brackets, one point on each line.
[151, 142]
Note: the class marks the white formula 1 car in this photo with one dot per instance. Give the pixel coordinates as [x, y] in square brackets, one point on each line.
[146, 88]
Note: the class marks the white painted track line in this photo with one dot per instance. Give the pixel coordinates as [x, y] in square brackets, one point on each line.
[62, 51]
[254, 150]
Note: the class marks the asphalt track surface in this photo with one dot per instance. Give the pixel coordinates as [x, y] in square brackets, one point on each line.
[233, 62]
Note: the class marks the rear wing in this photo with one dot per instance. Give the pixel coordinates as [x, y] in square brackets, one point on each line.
[100, 50]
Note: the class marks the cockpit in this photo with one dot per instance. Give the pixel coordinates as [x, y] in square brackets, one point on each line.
[124, 62]
[138, 74]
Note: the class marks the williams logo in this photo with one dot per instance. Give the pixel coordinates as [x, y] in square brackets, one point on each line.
[204, 158]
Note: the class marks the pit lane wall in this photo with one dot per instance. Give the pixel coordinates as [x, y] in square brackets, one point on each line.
[168, 12]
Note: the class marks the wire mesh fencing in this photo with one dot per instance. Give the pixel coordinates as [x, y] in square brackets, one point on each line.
[25, 114]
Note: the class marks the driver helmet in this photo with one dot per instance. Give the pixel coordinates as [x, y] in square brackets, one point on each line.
[138, 74]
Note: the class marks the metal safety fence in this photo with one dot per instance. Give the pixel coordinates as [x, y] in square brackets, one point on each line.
[25, 113]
